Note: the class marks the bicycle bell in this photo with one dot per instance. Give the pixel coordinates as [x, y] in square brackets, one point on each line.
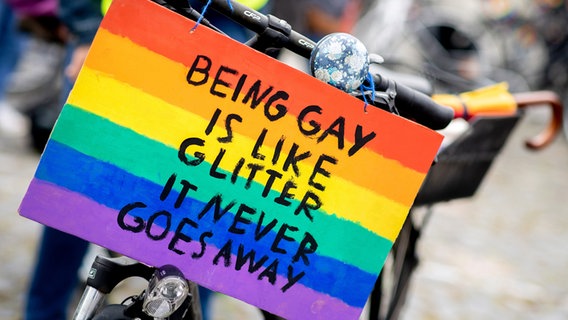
[340, 60]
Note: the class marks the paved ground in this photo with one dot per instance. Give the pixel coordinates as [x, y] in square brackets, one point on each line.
[499, 255]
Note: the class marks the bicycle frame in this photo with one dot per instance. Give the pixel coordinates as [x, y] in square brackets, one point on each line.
[273, 34]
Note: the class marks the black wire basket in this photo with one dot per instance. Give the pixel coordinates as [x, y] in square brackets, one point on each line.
[462, 165]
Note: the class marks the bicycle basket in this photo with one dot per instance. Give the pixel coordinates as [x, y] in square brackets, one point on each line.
[463, 164]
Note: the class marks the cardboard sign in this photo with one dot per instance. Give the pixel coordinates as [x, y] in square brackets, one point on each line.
[257, 180]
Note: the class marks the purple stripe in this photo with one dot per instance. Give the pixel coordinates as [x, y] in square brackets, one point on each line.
[298, 302]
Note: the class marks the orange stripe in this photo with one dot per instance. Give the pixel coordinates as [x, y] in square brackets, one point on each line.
[367, 169]
[407, 141]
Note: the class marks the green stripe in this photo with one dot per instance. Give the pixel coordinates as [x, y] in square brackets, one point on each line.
[155, 161]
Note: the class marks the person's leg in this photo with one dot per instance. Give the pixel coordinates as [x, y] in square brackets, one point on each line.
[204, 297]
[55, 275]
[8, 43]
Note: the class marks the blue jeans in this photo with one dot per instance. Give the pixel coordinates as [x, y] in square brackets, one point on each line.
[60, 256]
[55, 275]
[9, 45]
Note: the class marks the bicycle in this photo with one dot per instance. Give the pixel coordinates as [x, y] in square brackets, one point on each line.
[272, 33]
[385, 93]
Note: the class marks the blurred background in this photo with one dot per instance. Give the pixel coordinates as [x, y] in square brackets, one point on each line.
[499, 254]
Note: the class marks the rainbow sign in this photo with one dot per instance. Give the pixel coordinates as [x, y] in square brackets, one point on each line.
[257, 180]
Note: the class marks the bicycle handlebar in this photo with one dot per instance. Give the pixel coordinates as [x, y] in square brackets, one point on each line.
[542, 98]
[410, 103]
[260, 23]
[417, 105]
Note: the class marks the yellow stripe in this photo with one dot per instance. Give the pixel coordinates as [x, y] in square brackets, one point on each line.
[160, 121]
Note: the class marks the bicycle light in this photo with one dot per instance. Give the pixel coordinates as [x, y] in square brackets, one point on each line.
[167, 290]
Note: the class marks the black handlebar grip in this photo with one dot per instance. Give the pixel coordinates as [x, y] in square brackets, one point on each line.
[259, 23]
[300, 44]
[241, 14]
[416, 105]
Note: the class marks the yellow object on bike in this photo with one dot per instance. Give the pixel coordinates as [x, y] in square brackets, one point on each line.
[104, 6]
[494, 100]
[254, 4]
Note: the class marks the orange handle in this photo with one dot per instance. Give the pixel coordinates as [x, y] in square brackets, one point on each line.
[539, 98]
